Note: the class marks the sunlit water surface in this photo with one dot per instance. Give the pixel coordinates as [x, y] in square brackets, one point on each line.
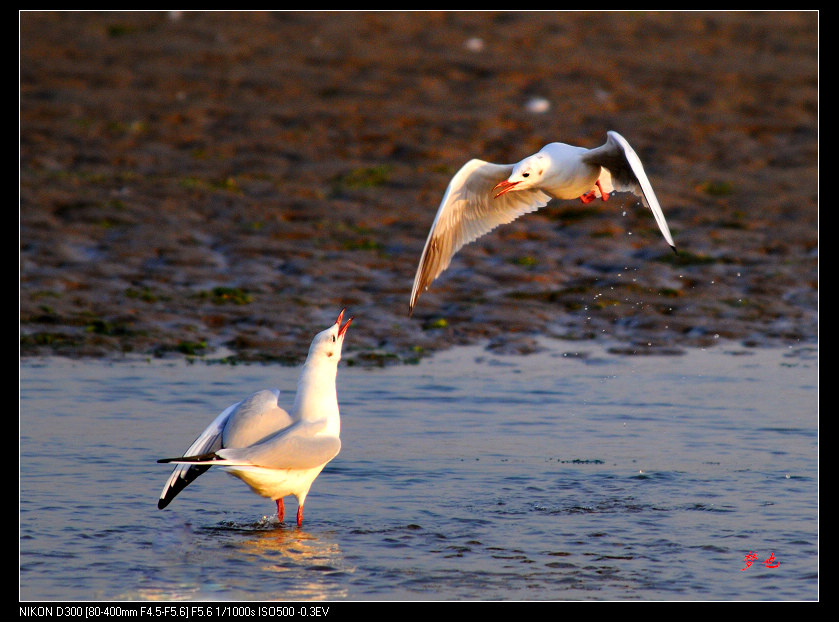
[568, 474]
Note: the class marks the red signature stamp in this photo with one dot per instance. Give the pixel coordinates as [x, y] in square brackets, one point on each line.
[751, 557]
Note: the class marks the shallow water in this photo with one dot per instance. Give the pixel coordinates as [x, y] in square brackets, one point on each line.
[567, 474]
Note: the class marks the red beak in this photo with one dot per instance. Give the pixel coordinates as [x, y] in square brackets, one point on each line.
[342, 329]
[503, 187]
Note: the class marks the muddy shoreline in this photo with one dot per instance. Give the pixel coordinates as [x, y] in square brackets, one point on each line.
[197, 182]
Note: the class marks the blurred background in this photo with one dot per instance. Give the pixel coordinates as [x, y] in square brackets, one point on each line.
[223, 183]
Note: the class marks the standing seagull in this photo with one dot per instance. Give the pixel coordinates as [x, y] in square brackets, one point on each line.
[275, 453]
[476, 202]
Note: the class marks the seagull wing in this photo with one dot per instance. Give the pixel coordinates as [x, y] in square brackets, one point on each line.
[255, 418]
[183, 474]
[468, 211]
[302, 445]
[619, 158]
[240, 425]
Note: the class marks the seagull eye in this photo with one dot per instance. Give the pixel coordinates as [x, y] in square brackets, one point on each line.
[525, 174]
[333, 338]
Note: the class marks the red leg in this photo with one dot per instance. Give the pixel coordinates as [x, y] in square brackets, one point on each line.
[299, 515]
[280, 509]
[603, 195]
[588, 197]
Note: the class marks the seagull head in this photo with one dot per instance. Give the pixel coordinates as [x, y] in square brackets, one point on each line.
[327, 344]
[526, 174]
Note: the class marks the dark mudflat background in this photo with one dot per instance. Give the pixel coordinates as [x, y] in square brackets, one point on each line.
[207, 182]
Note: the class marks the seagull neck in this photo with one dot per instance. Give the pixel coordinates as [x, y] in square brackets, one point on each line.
[316, 396]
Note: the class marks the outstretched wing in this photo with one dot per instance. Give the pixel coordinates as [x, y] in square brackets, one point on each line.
[244, 423]
[468, 211]
[299, 446]
[183, 474]
[619, 158]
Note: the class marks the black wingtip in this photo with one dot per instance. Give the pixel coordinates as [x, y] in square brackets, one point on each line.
[675, 252]
[180, 482]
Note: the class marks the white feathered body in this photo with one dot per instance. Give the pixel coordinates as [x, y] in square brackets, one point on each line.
[569, 176]
[277, 483]
[316, 409]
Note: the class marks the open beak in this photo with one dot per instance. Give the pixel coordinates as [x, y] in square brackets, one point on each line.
[504, 186]
[342, 329]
